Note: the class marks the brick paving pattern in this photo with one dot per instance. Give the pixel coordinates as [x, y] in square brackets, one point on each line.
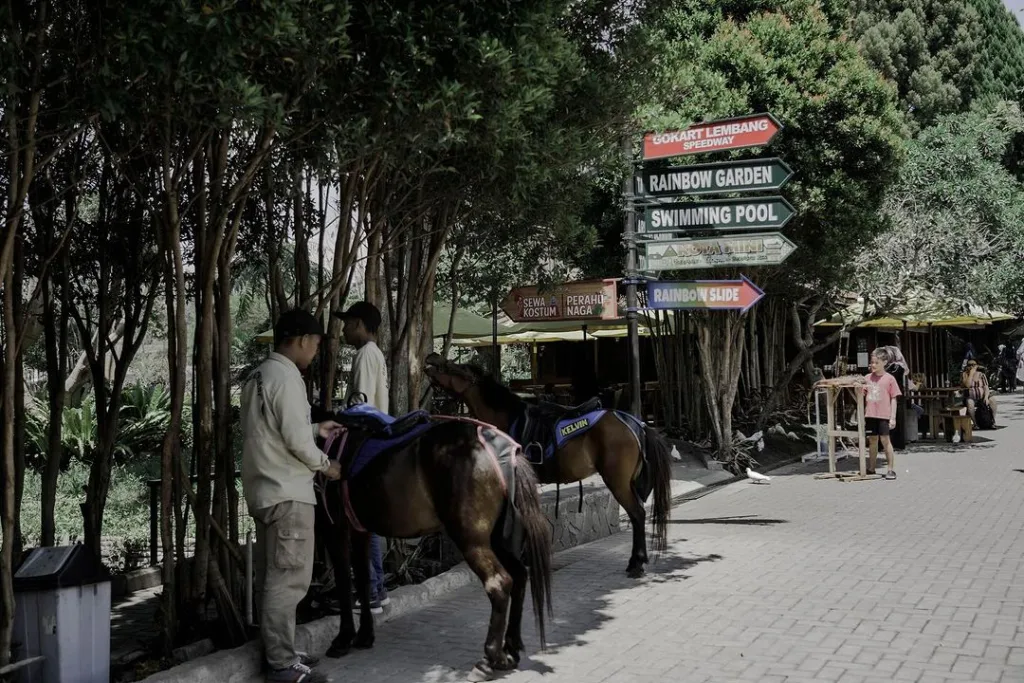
[919, 579]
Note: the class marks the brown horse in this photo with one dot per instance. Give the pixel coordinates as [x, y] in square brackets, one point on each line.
[632, 459]
[420, 475]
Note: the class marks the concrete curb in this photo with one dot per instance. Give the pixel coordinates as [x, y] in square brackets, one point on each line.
[571, 529]
[124, 585]
[241, 664]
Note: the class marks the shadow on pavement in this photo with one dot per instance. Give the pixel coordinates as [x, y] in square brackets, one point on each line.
[442, 642]
[747, 520]
[581, 611]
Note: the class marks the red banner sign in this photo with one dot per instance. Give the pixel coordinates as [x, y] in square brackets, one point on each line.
[590, 300]
[716, 136]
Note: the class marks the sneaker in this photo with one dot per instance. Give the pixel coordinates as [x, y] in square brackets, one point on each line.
[890, 475]
[307, 659]
[296, 673]
[386, 599]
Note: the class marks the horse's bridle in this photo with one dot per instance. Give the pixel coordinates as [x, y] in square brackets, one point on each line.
[444, 366]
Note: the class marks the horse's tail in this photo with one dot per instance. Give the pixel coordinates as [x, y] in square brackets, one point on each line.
[538, 539]
[659, 458]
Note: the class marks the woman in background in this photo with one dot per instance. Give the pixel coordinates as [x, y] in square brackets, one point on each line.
[978, 392]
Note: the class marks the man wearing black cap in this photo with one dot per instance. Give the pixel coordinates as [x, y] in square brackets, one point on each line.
[279, 459]
[369, 379]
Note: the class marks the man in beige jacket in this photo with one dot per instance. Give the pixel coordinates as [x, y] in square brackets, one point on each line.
[279, 459]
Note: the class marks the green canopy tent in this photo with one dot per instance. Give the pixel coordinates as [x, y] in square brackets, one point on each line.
[468, 324]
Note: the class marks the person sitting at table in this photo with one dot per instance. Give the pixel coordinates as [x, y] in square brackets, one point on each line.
[977, 389]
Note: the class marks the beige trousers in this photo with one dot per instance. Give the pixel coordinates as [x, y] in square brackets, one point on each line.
[283, 562]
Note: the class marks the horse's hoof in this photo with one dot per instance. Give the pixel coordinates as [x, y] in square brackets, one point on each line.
[501, 663]
[513, 646]
[363, 641]
[636, 572]
[481, 672]
[337, 651]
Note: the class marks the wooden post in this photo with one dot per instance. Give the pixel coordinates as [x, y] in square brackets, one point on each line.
[534, 364]
[833, 394]
[860, 430]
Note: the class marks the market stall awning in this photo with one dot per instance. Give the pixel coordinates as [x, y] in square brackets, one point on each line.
[921, 311]
[476, 329]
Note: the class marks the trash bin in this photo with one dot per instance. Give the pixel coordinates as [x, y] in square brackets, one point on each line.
[62, 613]
[913, 432]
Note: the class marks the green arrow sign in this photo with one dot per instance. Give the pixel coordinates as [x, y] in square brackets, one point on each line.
[722, 214]
[769, 249]
[749, 175]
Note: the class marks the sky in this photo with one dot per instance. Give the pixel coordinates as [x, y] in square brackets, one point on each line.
[1016, 6]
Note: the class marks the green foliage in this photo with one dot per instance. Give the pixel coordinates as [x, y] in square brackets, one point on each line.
[955, 214]
[841, 127]
[126, 518]
[928, 48]
[999, 60]
[571, 79]
[145, 415]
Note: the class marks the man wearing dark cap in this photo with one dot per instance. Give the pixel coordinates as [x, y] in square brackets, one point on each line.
[369, 379]
[279, 459]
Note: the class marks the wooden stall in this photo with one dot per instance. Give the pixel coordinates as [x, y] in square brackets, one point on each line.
[838, 389]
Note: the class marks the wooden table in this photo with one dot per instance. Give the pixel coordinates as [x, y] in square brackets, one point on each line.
[934, 401]
[854, 386]
[954, 422]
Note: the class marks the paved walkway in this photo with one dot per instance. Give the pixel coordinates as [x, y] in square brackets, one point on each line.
[135, 625]
[919, 579]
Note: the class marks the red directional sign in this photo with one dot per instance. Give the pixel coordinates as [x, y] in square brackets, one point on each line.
[715, 295]
[715, 136]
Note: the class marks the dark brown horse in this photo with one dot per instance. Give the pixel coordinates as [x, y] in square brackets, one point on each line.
[632, 459]
[462, 477]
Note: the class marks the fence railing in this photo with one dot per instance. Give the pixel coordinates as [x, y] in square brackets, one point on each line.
[242, 514]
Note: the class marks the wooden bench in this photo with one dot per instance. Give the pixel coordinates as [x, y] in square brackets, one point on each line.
[954, 422]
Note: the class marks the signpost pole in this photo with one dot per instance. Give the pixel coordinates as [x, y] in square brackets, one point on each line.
[629, 237]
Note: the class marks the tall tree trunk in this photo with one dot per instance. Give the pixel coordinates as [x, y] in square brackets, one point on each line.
[19, 393]
[56, 338]
[7, 474]
[302, 277]
[226, 500]
[346, 244]
[460, 253]
[177, 362]
[721, 343]
[802, 330]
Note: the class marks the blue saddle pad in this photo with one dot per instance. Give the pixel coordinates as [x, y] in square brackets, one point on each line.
[387, 432]
[543, 441]
[566, 430]
[365, 410]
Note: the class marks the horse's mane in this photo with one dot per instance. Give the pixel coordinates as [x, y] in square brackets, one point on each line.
[497, 396]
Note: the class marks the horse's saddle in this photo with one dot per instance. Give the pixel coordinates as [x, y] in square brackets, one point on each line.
[373, 433]
[545, 427]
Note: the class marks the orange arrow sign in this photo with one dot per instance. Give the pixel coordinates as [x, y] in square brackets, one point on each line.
[716, 136]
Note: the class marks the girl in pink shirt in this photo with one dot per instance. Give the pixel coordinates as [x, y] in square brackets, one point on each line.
[880, 412]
